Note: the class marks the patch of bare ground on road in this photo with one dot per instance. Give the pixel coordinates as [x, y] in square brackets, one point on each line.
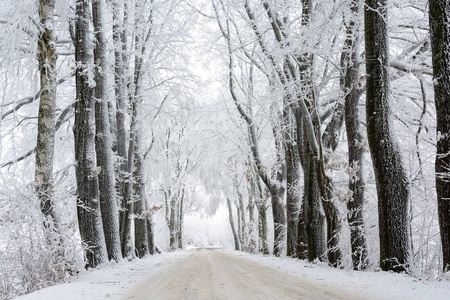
[216, 274]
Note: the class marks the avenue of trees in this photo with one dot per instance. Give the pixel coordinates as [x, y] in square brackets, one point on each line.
[323, 128]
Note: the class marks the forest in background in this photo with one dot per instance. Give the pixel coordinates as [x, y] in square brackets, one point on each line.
[322, 127]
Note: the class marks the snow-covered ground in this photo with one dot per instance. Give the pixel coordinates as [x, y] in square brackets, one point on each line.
[112, 281]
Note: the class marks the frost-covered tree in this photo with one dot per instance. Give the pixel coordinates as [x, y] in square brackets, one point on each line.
[390, 174]
[439, 13]
[103, 140]
[350, 89]
[47, 58]
[89, 215]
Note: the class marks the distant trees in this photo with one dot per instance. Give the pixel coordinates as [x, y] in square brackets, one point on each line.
[439, 13]
[308, 72]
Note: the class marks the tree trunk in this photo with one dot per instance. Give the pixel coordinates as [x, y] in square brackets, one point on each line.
[151, 237]
[292, 182]
[440, 44]
[334, 225]
[390, 175]
[89, 216]
[173, 224]
[233, 229]
[239, 228]
[108, 204]
[279, 222]
[127, 221]
[240, 213]
[314, 213]
[140, 204]
[180, 220]
[355, 205]
[46, 117]
[302, 233]
[120, 80]
[262, 216]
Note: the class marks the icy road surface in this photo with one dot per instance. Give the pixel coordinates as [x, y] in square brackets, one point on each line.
[216, 274]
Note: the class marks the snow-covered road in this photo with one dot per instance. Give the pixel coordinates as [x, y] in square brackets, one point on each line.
[225, 274]
[216, 274]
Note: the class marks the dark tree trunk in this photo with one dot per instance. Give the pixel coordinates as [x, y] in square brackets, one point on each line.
[140, 204]
[46, 118]
[120, 37]
[314, 214]
[390, 175]
[334, 225]
[302, 233]
[233, 228]
[440, 45]
[173, 224]
[262, 229]
[108, 204]
[349, 79]
[279, 221]
[262, 216]
[151, 237]
[121, 93]
[292, 181]
[127, 216]
[180, 221]
[89, 216]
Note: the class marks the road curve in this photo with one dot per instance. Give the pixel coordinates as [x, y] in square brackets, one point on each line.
[216, 274]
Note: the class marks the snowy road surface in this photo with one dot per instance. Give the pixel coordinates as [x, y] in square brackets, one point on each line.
[216, 274]
[225, 274]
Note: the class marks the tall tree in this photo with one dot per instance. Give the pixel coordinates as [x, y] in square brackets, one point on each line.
[141, 236]
[390, 175]
[103, 143]
[89, 216]
[120, 37]
[349, 87]
[47, 106]
[440, 44]
[141, 37]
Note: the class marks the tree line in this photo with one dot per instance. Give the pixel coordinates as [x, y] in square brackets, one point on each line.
[300, 77]
[275, 55]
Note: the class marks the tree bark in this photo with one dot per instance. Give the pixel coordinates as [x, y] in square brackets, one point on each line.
[262, 216]
[141, 242]
[47, 58]
[120, 80]
[151, 237]
[173, 224]
[108, 204]
[292, 161]
[440, 44]
[314, 213]
[349, 87]
[88, 208]
[390, 175]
